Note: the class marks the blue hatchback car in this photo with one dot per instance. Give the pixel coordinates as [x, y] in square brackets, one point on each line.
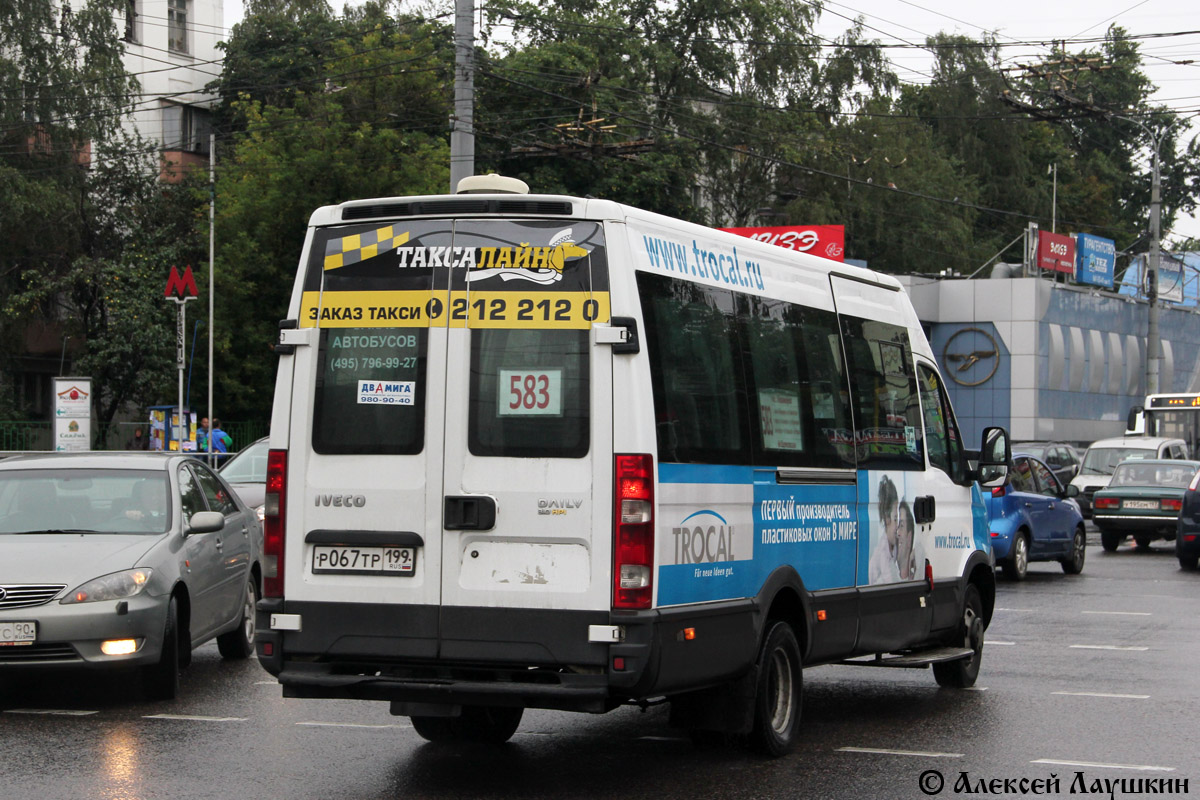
[1033, 518]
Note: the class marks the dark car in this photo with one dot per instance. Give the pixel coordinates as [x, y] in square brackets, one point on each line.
[1143, 500]
[246, 474]
[1062, 459]
[123, 560]
[1033, 518]
[1187, 527]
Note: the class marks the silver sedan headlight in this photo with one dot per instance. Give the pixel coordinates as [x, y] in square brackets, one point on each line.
[117, 586]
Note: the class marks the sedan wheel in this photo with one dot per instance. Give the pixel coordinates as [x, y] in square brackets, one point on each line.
[1074, 564]
[239, 642]
[1018, 563]
[160, 681]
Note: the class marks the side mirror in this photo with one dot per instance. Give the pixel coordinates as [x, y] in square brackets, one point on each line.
[994, 457]
[206, 522]
[1135, 420]
[1072, 490]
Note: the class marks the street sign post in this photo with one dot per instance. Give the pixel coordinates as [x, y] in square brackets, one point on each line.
[180, 289]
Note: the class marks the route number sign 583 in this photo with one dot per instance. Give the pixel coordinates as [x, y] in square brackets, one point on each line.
[527, 393]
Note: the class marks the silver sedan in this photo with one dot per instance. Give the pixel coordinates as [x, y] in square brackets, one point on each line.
[111, 560]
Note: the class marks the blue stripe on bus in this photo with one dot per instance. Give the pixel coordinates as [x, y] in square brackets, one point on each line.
[705, 473]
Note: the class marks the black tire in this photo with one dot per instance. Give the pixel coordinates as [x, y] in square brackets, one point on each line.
[160, 681]
[962, 673]
[778, 695]
[434, 729]
[239, 642]
[1143, 542]
[1111, 540]
[1189, 562]
[1073, 564]
[1016, 566]
[487, 724]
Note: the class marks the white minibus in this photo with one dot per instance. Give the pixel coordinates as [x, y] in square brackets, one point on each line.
[538, 451]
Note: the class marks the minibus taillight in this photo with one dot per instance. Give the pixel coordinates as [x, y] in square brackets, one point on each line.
[633, 532]
[273, 523]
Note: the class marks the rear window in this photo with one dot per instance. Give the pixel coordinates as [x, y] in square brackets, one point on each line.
[529, 393]
[370, 391]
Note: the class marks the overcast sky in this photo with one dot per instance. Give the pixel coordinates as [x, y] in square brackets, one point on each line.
[1020, 21]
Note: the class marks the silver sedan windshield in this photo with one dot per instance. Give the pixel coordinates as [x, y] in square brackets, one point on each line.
[84, 501]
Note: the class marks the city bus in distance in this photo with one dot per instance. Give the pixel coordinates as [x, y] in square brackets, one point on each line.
[1169, 415]
[535, 451]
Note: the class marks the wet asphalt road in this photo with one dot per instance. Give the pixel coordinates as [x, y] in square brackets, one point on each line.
[1096, 674]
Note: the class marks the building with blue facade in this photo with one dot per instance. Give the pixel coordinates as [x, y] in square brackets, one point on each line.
[1051, 360]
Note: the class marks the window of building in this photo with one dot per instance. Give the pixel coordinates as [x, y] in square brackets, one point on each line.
[186, 128]
[131, 16]
[177, 22]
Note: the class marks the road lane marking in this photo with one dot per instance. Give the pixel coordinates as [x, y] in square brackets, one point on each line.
[975, 688]
[194, 718]
[266, 683]
[1099, 765]
[1105, 694]
[1107, 647]
[878, 751]
[1012, 609]
[1001, 644]
[1122, 613]
[54, 712]
[349, 725]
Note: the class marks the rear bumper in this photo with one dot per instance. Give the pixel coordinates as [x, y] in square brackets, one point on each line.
[533, 658]
[1129, 524]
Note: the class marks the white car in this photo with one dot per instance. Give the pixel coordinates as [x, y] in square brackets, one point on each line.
[1102, 457]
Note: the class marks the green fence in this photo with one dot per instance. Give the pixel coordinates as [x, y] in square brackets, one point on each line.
[116, 436]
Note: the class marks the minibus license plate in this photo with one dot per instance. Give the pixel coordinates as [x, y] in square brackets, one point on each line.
[17, 633]
[353, 559]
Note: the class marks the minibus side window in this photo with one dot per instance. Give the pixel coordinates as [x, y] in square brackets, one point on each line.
[801, 403]
[887, 411]
[941, 432]
[700, 396]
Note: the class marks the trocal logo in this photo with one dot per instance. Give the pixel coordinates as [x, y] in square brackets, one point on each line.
[704, 537]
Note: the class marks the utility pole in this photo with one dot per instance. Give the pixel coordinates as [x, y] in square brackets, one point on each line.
[462, 132]
[212, 219]
[1153, 351]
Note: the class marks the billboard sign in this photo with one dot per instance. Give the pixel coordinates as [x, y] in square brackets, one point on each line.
[827, 241]
[1095, 260]
[1056, 252]
[72, 413]
[1170, 280]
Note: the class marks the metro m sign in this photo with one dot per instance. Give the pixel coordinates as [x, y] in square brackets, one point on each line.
[1056, 252]
[181, 288]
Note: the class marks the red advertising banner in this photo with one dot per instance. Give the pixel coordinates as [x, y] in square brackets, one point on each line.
[827, 241]
[1056, 252]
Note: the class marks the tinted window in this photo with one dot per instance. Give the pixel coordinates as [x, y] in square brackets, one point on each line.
[214, 492]
[700, 396]
[370, 391]
[941, 431]
[887, 414]
[800, 413]
[190, 495]
[1046, 482]
[1020, 477]
[529, 393]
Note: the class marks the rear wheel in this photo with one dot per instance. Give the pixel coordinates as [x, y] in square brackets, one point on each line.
[434, 729]
[1143, 542]
[160, 681]
[1073, 564]
[1111, 540]
[486, 724]
[962, 673]
[778, 694]
[1017, 565]
[1189, 562]
[239, 642]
